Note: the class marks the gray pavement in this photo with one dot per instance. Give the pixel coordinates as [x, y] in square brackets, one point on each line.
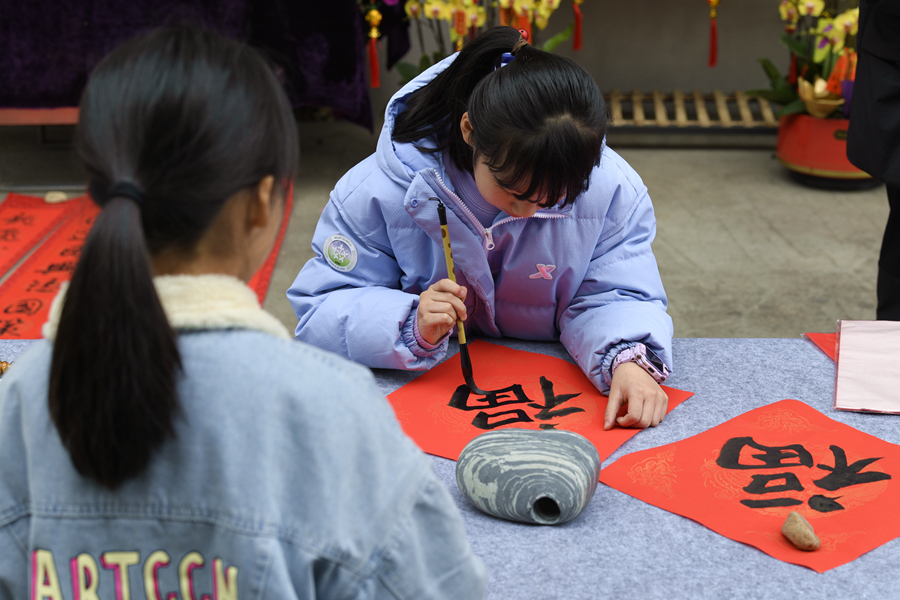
[743, 249]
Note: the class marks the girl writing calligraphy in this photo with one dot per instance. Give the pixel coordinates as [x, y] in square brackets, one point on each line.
[550, 229]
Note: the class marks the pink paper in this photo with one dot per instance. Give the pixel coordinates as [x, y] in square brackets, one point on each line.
[868, 376]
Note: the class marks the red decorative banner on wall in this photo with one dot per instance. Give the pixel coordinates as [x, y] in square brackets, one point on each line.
[26, 296]
[24, 222]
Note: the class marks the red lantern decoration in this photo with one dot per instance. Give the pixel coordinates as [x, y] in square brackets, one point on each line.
[373, 18]
[576, 35]
[713, 33]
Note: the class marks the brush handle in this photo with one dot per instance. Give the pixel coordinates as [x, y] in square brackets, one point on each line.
[448, 256]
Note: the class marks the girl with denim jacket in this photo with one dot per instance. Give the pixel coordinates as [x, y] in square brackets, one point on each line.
[168, 438]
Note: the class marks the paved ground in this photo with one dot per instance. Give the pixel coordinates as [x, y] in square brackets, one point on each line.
[744, 251]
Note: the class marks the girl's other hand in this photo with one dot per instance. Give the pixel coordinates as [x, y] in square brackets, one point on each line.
[637, 396]
[439, 308]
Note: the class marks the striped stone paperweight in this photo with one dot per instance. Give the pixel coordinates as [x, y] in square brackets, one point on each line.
[545, 477]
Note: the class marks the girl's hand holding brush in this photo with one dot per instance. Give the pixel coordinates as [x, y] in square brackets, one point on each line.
[439, 308]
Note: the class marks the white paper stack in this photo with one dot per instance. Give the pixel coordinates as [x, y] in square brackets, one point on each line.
[868, 366]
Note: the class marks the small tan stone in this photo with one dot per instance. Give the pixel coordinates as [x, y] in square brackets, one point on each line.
[55, 197]
[800, 533]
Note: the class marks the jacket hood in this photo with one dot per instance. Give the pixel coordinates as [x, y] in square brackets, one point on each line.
[403, 161]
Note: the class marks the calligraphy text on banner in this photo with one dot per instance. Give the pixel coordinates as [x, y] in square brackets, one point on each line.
[534, 391]
[24, 222]
[743, 477]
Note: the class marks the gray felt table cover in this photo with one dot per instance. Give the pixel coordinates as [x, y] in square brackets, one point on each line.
[620, 547]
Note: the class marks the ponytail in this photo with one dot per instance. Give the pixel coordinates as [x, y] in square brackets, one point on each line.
[538, 122]
[112, 377]
[171, 125]
[437, 108]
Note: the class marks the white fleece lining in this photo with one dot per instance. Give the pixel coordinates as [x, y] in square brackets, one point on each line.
[193, 302]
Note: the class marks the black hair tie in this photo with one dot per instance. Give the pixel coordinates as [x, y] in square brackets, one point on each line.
[126, 189]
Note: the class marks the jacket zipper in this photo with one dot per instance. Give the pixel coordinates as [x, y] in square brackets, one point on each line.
[488, 232]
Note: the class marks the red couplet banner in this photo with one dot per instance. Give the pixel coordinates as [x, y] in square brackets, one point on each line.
[742, 478]
[24, 222]
[536, 391]
[25, 297]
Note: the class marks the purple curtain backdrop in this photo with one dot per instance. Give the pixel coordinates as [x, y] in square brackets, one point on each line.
[47, 49]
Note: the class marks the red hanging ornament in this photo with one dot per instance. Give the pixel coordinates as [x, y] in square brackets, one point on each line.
[834, 83]
[460, 26]
[713, 33]
[576, 35]
[523, 23]
[373, 18]
[792, 70]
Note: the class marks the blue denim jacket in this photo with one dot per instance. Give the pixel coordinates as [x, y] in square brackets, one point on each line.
[289, 477]
[584, 275]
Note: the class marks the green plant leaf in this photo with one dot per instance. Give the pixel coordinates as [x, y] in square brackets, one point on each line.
[828, 64]
[792, 108]
[407, 71]
[771, 70]
[796, 45]
[776, 96]
[551, 44]
[424, 62]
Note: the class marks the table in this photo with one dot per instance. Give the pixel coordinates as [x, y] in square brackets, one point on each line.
[620, 547]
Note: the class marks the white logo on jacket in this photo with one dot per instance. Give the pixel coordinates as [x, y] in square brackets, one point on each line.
[340, 252]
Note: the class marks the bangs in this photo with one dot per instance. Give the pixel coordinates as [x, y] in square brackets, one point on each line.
[554, 163]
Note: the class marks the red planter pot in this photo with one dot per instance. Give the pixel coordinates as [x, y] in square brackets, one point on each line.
[816, 147]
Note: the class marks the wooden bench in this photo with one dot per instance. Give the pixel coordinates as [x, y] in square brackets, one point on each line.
[678, 110]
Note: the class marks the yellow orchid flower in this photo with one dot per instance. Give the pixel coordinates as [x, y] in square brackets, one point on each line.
[413, 9]
[437, 10]
[525, 7]
[788, 11]
[542, 12]
[811, 7]
[828, 39]
[477, 16]
[848, 21]
[505, 4]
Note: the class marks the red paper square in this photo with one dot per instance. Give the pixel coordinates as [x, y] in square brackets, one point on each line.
[423, 406]
[696, 479]
[826, 342]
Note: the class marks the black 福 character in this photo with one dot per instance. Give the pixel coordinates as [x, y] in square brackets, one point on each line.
[551, 401]
[772, 457]
[460, 398]
[843, 475]
[483, 420]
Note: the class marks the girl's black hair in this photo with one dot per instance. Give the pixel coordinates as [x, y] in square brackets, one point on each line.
[539, 122]
[189, 118]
